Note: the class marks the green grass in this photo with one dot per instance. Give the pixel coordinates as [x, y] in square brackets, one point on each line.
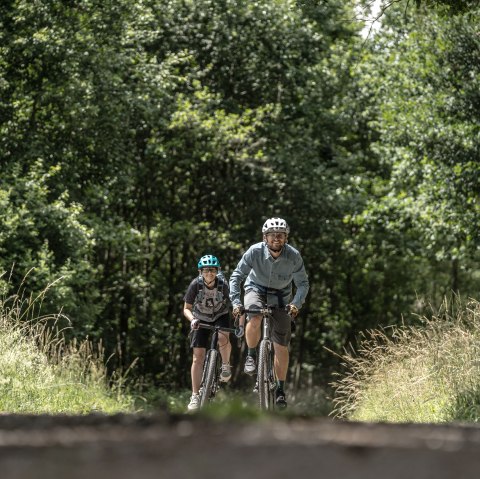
[429, 373]
[41, 373]
[240, 403]
[228, 404]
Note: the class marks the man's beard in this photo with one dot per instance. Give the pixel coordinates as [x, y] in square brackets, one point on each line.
[275, 249]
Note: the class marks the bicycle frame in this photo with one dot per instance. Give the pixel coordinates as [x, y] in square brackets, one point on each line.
[211, 366]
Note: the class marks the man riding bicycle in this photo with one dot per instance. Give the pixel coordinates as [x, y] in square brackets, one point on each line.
[269, 269]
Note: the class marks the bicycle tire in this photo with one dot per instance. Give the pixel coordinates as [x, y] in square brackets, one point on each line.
[265, 394]
[210, 370]
[272, 379]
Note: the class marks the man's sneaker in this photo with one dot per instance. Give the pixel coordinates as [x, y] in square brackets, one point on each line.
[280, 399]
[194, 402]
[250, 366]
[226, 373]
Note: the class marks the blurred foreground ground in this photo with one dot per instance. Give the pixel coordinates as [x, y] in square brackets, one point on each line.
[121, 447]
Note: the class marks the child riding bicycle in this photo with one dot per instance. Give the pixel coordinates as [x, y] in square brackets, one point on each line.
[207, 300]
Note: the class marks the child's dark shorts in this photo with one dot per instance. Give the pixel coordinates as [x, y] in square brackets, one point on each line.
[200, 337]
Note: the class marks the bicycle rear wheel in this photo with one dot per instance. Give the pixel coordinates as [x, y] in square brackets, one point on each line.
[265, 365]
[209, 377]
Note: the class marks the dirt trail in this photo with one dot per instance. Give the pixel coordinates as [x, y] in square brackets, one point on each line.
[124, 446]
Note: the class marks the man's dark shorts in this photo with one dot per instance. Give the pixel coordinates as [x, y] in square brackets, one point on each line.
[282, 328]
[200, 338]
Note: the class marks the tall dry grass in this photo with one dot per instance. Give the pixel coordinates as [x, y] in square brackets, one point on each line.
[40, 372]
[427, 373]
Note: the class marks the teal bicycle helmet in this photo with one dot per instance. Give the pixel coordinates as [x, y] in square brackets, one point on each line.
[208, 261]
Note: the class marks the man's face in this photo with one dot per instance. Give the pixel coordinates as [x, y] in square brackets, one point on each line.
[275, 241]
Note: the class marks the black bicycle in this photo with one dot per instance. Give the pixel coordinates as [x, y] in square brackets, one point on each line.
[266, 378]
[212, 365]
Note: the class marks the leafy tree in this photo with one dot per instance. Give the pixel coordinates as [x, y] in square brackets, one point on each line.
[43, 241]
[423, 214]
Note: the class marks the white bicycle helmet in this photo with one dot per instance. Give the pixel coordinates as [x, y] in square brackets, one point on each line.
[275, 225]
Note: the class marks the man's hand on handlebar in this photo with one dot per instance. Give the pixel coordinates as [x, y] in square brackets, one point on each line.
[292, 310]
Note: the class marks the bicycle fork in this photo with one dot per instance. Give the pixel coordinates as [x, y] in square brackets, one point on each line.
[270, 358]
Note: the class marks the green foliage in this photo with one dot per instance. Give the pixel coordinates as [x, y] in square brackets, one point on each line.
[43, 236]
[452, 6]
[433, 144]
[415, 235]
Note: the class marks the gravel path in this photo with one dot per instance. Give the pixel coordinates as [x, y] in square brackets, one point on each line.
[162, 446]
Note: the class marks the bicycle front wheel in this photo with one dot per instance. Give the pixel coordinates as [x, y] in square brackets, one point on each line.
[209, 377]
[265, 365]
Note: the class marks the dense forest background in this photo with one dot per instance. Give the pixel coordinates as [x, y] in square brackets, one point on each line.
[138, 135]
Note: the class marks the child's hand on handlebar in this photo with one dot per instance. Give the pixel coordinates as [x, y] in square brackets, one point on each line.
[239, 332]
[195, 324]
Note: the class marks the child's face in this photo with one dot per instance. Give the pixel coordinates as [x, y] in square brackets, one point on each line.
[209, 273]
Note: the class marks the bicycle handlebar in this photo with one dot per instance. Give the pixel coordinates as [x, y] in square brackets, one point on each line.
[217, 327]
[267, 310]
[262, 311]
